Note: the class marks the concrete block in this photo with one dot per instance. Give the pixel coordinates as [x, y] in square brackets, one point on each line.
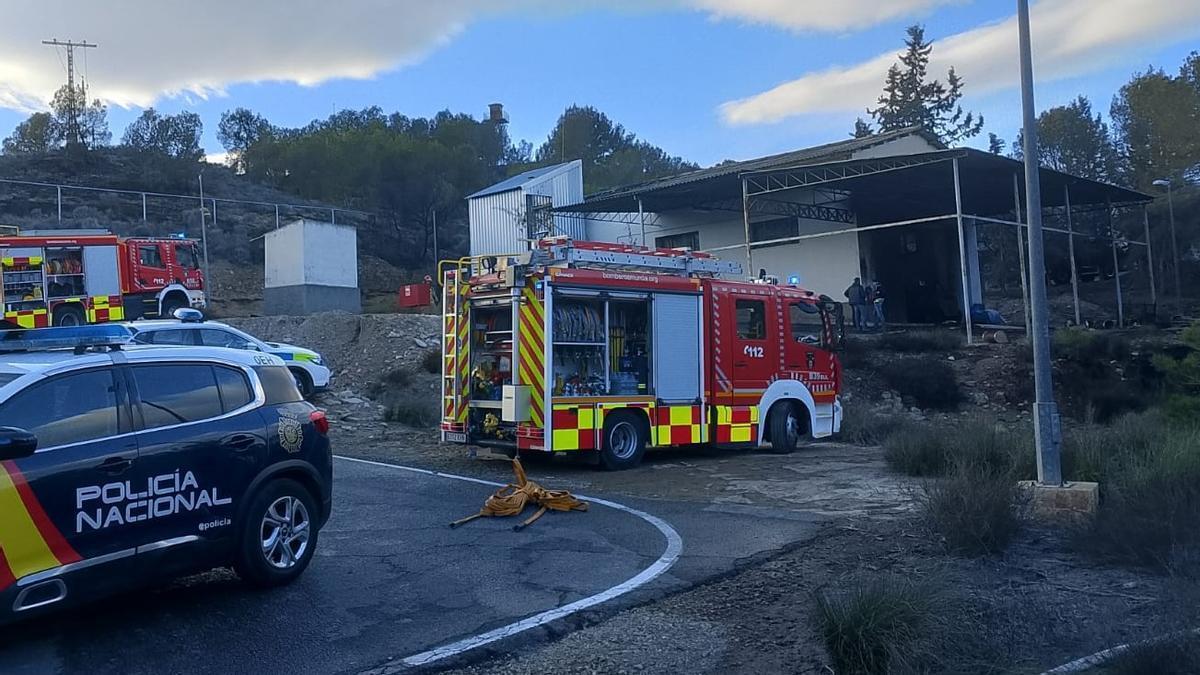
[1071, 502]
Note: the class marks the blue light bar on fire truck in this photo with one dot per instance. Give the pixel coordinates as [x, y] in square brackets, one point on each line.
[72, 337]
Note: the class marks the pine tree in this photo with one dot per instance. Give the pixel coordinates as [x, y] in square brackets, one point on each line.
[911, 99]
[995, 144]
[862, 129]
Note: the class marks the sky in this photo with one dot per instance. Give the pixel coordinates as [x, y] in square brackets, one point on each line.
[708, 80]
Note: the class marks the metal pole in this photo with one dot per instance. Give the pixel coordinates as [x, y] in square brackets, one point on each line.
[435, 241]
[204, 233]
[1021, 258]
[1071, 252]
[59, 189]
[962, 252]
[1149, 256]
[642, 219]
[214, 218]
[746, 222]
[277, 216]
[1112, 240]
[333, 216]
[1174, 252]
[143, 207]
[1045, 421]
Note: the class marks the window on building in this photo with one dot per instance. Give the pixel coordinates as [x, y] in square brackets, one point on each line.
[177, 393]
[73, 408]
[681, 240]
[770, 230]
[150, 256]
[751, 319]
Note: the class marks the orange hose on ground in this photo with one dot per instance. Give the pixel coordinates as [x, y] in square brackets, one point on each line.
[512, 499]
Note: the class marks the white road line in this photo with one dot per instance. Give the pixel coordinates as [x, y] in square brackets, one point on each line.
[664, 563]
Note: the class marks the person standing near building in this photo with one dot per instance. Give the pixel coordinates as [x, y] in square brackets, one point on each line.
[856, 295]
[875, 300]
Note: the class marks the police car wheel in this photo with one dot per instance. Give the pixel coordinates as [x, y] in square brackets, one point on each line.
[624, 441]
[303, 382]
[278, 536]
[787, 428]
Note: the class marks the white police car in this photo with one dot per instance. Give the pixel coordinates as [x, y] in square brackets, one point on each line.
[190, 329]
[121, 464]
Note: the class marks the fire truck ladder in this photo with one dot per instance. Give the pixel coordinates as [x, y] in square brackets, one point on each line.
[634, 259]
[455, 342]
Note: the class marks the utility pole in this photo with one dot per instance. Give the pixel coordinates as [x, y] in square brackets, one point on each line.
[1166, 182]
[1049, 466]
[74, 134]
[204, 238]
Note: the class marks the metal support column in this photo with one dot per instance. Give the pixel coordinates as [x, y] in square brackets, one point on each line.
[332, 216]
[1150, 256]
[1046, 428]
[277, 216]
[1112, 241]
[214, 213]
[746, 222]
[1021, 256]
[1071, 252]
[642, 220]
[962, 252]
[143, 207]
[59, 190]
[204, 234]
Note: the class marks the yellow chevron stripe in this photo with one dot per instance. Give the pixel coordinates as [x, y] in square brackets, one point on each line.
[24, 548]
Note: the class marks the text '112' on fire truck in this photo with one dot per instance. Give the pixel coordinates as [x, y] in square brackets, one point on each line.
[582, 346]
[68, 279]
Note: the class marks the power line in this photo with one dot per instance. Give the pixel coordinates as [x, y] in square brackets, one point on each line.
[74, 135]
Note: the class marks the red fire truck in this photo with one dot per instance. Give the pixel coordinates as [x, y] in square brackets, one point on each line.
[67, 279]
[582, 346]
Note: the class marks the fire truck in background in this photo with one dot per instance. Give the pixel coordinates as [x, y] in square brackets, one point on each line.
[582, 346]
[68, 279]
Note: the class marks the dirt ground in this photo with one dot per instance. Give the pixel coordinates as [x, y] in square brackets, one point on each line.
[1039, 605]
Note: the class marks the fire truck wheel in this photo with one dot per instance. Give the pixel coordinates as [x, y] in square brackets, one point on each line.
[787, 428]
[624, 441]
[68, 316]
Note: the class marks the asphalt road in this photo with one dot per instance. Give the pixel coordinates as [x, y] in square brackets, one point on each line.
[390, 579]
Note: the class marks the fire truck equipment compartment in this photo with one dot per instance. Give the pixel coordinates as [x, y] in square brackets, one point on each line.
[515, 403]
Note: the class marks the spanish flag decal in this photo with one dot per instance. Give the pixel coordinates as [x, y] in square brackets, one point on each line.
[29, 542]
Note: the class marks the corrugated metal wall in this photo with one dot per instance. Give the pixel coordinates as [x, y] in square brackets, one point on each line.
[498, 221]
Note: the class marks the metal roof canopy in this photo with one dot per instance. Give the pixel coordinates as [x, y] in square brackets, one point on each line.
[901, 186]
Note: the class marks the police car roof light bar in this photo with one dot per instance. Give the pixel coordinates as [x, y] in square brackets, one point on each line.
[78, 338]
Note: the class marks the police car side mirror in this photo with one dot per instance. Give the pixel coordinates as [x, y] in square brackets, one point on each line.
[16, 443]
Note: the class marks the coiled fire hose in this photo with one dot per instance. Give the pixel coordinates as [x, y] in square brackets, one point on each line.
[511, 500]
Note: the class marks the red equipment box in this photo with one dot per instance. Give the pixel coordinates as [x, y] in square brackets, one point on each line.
[414, 295]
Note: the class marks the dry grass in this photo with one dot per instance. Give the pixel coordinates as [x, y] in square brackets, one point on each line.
[875, 628]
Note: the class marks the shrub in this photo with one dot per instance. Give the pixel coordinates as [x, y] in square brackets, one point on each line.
[871, 629]
[1099, 452]
[929, 381]
[431, 361]
[412, 414]
[1088, 346]
[396, 378]
[929, 450]
[977, 509]
[863, 426]
[921, 342]
[1151, 509]
[854, 353]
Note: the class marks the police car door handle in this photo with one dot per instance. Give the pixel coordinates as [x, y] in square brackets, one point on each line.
[240, 442]
[117, 464]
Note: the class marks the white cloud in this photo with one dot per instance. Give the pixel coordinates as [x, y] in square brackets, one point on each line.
[1070, 38]
[168, 47]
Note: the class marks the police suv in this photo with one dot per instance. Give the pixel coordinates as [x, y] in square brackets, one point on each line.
[191, 329]
[120, 463]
